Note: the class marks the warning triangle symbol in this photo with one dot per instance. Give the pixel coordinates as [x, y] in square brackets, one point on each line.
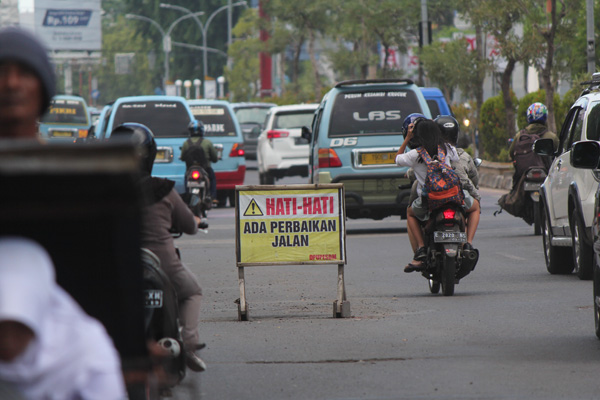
[253, 210]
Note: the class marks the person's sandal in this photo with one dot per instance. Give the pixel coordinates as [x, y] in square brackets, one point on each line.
[420, 254]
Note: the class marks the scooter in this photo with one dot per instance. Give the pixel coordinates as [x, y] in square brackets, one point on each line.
[197, 197]
[447, 262]
[532, 182]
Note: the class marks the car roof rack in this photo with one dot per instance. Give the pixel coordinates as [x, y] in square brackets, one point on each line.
[594, 84]
[375, 81]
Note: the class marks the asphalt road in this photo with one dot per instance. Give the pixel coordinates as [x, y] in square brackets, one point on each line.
[511, 331]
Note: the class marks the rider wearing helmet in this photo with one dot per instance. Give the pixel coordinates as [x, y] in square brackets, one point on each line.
[164, 209]
[537, 114]
[197, 140]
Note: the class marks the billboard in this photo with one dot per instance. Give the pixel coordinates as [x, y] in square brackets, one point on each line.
[69, 24]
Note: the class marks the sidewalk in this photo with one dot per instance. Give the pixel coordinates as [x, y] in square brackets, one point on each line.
[496, 175]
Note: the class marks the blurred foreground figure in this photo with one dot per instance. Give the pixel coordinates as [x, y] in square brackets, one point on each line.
[49, 347]
[27, 83]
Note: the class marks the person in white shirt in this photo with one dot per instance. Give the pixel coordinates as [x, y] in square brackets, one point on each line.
[424, 133]
[50, 349]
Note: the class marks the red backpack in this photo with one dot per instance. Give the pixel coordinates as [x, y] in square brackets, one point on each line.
[442, 184]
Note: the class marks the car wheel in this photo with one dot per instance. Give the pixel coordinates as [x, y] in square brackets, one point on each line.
[558, 259]
[582, 252]
[266, 178]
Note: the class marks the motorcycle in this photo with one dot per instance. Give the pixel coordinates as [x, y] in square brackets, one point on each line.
[197, 196]
[447, 262]
[163, 327]
[532, 182]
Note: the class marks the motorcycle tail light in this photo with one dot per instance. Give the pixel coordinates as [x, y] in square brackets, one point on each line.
[328, 158]
[275, 134]
[237, 150]
[536, 174]
[449, 213]
[195, 174]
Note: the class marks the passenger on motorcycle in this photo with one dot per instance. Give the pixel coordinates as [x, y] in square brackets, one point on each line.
[197, 141]
[165, 210]
[27, 83]
[421, 132]
[537, 115]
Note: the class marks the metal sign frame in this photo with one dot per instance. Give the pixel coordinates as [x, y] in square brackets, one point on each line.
[265, 211]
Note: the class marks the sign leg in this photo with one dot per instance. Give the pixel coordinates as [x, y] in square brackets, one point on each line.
[242, 306]
[341, 307]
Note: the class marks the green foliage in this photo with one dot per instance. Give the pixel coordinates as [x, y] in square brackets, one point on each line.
[492, 134]
[536, 97]
[121, 37]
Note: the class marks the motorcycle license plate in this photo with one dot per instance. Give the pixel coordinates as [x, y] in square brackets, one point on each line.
[532, 186]
[153, 298]
[449, 237]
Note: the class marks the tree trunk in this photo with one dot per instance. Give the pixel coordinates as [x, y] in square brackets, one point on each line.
[315, 66]
[296, 64]
[547, 83]
[281, 72]
[508, 104]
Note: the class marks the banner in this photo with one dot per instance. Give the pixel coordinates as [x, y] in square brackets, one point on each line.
[290, 225]
[69, 24]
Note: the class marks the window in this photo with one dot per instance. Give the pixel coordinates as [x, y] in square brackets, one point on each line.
[216, 118]
[164, 118]
[372, 112]
[66, 112]
[593, 122]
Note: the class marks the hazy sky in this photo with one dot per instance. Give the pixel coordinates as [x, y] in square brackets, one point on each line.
[26, 5]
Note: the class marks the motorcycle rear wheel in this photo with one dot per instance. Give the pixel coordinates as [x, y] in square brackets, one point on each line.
[448, 276]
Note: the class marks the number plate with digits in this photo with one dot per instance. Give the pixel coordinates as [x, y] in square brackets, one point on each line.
[449, 237]
[154, 298]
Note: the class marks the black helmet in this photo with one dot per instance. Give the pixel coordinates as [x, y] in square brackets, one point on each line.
[449, 127]
[141, 136]
[196, 128]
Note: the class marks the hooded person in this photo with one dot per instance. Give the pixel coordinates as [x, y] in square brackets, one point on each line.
[27, 83]
[49, 347]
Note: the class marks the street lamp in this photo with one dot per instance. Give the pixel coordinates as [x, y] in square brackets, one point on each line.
[187, 84]
[203, 28]
[178, 84]
[221, 82]
[166, 36]
[197, 83]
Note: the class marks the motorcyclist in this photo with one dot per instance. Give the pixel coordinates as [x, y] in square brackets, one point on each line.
[165, 210]
[537, 115]
[196, 130]
[428, 136]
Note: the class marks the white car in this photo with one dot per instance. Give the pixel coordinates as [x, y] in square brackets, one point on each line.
[568, 193]
[281, 150]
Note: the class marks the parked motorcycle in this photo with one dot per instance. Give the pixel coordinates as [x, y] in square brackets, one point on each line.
[197, 196]
[447, 262]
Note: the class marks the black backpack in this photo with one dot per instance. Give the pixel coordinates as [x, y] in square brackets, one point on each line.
[524, 155]
[194, 155]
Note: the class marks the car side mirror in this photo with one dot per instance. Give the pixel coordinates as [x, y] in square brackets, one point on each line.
[544, 147]
[585, 154]
[306, 133]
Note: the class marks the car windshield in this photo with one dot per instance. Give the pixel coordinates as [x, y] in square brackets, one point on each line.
[293, 119]
[372, 112]
[251, 115]
[216, 118]
[593, 124]
[66, 112]
[164, 118]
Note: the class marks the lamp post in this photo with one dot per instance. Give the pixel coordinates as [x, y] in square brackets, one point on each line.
[178, 84]
[203, 28]
[197, 83]
[187, 84]
[221, 82]
[166, 37]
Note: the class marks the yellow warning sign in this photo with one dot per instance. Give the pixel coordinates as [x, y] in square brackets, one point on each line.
[253, 210]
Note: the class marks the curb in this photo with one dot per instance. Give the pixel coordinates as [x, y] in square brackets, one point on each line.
[496, 175]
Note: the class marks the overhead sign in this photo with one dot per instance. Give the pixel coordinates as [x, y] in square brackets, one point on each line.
[69, 24]
[292, 224]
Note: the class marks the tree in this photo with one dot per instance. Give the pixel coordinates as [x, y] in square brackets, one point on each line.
[547, 25]
[244, 75]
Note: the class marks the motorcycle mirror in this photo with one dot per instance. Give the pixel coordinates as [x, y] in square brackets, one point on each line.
[477, 161]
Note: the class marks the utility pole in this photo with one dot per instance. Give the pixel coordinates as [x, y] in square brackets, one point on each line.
[266, 82]
[591, 45]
